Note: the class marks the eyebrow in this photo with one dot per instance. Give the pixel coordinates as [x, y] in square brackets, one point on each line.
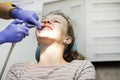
[52, 19]
[55, 18]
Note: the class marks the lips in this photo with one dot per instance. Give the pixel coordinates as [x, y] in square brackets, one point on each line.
[48, 27]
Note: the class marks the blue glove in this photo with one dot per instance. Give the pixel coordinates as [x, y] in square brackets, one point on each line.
[14, 32]
[29, 17]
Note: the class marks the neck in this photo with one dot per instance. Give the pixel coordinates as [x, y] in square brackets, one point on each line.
[51, 55]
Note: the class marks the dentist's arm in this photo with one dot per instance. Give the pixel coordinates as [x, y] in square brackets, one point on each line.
[7, 11]
[5, 8]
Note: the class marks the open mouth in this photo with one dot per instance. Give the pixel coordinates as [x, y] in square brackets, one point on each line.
[46, 27]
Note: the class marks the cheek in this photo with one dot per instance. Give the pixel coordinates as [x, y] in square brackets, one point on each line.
[60, 34]
[61, 30]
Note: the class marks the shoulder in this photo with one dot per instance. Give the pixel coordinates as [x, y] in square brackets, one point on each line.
[86, 69]
[19, 66]
[82, 62]
[83, 65]
[16, 70]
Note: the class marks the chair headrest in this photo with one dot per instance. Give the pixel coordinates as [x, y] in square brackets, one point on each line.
[37, 54]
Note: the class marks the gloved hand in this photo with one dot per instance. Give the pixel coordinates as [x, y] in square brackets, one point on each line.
[29, 17]
[14, 32]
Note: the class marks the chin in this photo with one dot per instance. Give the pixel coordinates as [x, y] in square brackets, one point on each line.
[45, 40]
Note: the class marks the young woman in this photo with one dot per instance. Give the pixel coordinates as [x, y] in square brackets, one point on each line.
[57, 60]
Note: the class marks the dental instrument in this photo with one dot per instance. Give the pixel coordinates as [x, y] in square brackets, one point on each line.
[7, 59]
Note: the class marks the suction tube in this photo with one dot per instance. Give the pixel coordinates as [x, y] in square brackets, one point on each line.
[7, 59]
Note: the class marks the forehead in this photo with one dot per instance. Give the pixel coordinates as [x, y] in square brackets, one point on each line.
[59, 17]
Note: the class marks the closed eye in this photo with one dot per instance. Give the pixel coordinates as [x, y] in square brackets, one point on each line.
[56, 21]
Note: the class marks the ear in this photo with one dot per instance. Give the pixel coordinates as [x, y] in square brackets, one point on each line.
[67, 40]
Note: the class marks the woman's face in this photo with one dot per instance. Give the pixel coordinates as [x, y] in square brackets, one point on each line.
[54, 27]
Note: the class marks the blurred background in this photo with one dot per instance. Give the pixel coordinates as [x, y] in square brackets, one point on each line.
[97, 32]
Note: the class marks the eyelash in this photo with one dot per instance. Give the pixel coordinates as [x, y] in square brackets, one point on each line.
[56, 21]
[53, 21]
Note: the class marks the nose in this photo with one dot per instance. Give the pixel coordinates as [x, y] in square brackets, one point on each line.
[47, 21]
